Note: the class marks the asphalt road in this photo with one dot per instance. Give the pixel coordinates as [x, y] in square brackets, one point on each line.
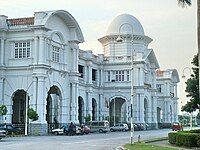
[92, 141]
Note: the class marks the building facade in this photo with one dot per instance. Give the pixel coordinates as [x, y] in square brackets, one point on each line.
[42, 67]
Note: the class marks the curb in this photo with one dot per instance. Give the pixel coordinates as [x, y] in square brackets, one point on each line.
[121, 148]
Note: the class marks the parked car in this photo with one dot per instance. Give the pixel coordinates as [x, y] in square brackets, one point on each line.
[86, 129]
[176, 126]
[10, 129]
[65, 130]
[2, 134]
[101, 126]
[60, 131]
[119, 127]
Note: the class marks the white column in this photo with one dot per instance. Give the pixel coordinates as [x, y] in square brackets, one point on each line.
[75, 58]
[89, 74]
[1, 90]
[101, 105]
[73, 102]
[137, 104]
[33, 101]
[41, 107]
[76, 102]
[90, 104]
[141, 108]
[175, 94]
[35, 55]
[41, 53]
[2, 52]
[154, 110]
[97, 77]
[141, 76]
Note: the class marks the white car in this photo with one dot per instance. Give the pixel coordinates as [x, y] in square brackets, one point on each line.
[119, 127]
[59, 131]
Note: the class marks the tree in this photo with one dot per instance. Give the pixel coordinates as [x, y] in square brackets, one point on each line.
[32, 114]
[184, 3]
[3, 110]
[192, 88]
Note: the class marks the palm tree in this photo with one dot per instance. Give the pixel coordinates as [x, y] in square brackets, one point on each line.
[185, 3]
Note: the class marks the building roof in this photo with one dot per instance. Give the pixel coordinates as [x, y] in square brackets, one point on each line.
[21, 21]
[125, 24]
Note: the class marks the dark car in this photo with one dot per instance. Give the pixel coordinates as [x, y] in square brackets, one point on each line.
[10, 129]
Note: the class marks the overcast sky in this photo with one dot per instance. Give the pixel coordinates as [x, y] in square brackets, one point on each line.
[172, 28]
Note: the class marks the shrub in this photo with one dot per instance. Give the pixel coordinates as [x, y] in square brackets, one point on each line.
[184, 139]
[195, 131]
[172, 137]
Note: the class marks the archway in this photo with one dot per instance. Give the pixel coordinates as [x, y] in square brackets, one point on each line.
[159, 115]
[94, 109]
[19, 107]
[117, 110]
[53, 106]
[80, 109]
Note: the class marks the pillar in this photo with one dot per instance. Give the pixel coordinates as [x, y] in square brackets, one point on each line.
[41, 53]
[41, 107]
[2, 52]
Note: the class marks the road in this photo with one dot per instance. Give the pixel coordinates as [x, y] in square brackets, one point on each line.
[92, 141]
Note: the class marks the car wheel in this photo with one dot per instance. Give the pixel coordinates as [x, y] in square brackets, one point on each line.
[111, 130]
[56, 133]
[123, 130]
[100, 131]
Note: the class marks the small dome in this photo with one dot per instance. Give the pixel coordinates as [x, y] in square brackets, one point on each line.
[127, 23]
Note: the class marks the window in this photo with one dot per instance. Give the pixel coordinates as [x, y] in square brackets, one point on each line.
[128, 76]
[56, 54]
[94, 74]
[119, 75]
[108, 76]
[22, 49]
[80, 70]
[158, 86]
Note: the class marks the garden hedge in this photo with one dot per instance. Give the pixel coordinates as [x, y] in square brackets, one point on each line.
[185, 138]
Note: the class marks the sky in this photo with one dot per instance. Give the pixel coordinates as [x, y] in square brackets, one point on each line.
[172, 28]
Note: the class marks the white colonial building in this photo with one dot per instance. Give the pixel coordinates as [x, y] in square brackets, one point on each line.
[42, 67]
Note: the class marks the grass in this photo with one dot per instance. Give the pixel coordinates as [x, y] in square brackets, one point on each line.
[144, 146]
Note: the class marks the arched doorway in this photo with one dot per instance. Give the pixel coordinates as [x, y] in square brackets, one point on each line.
[53, 106]
[80, 110]
[117, 110]
[19, 107]
[94, 109]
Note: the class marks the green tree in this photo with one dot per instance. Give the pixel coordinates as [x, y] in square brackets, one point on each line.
[32, 114]
[3, 110]
[87, 118]
[185, 3]
[192, 88]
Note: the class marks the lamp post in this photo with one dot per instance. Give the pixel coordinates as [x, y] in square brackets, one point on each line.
[119, 39]
[183, 76]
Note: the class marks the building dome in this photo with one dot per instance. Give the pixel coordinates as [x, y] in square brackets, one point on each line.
[127, 23]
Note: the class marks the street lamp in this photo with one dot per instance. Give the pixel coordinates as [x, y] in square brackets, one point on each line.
[119, 39]
[183, 76]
